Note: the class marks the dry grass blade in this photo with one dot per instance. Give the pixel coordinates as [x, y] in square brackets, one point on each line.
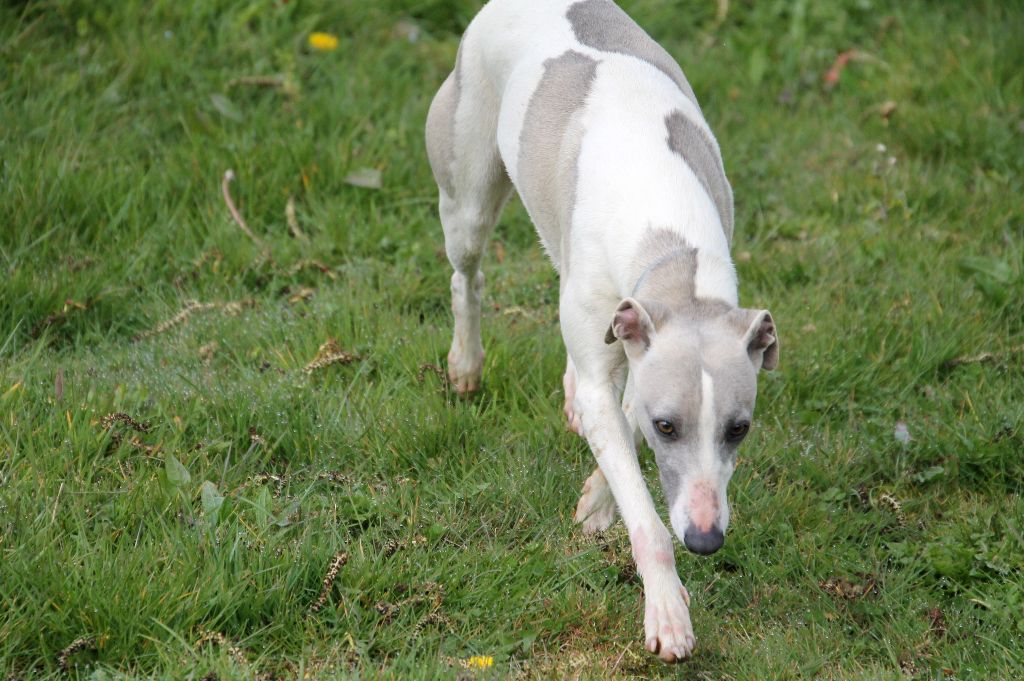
[225, 188]
[338, 562]
[293, 220]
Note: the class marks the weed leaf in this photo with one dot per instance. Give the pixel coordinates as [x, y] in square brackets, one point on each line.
[212, 501]
[177, 474]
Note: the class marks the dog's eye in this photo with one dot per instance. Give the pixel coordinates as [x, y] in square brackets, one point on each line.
[665, 427]
[737, 431]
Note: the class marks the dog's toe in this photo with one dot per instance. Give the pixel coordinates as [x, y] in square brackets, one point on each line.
[464, 373]
[668, 632]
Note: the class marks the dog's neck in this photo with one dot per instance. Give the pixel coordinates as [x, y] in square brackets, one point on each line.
[681, 278]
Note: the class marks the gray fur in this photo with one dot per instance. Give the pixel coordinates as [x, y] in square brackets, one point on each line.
[600, 24]
[701, 154]
[693, 334]
[547, 141]
[668, 282]
[440, 135]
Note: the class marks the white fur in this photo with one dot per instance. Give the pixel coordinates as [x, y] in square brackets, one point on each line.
[629, 180]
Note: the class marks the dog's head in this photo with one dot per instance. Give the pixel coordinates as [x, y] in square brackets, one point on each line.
[695, 381]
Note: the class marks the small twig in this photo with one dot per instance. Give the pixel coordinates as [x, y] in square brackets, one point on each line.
[222, 640]
[311, 264]
[434, 369]
[180, 318]
[110, 419]
[982, 357]
[895, 506]
[229, 176]
[58, 385]
[286, 85]
[329, 353]
[338, 562]
[260, 81]
[79, 644]
[293, 221]
[435, 617]
[255, 437]
[231, 308]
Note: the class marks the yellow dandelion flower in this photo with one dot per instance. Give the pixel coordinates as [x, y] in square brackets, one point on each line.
[480, 662]
[325, 42]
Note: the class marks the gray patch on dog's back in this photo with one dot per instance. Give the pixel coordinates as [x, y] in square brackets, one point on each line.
[600, 24]
[700, 152]
[440, 136]
[547, 189]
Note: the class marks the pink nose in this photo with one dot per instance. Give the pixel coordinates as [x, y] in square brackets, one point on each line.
[703, 508]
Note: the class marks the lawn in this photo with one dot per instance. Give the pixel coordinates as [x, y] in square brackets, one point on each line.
[196, 423]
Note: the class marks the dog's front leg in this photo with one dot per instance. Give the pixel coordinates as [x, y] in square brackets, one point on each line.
[667, 627]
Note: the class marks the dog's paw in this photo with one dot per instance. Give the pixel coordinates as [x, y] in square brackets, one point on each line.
[465, 370]
[595, 511]
[668, 632]
[572, 419]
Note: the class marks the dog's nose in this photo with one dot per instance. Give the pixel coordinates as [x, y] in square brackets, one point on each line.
[703, 543]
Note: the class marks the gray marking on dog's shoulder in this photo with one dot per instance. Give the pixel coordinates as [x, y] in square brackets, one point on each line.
[602, 25]
[547, 141]
[440, 134]
[668, 279]
[696, 146]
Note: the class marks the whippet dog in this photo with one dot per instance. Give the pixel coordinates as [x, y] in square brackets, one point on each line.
[596, 127]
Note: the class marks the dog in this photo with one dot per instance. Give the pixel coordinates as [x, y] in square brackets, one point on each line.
[595, 126]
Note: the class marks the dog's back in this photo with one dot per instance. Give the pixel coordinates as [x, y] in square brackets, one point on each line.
[570, 93]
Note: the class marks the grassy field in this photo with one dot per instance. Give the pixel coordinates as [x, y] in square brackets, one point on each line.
[878, 524]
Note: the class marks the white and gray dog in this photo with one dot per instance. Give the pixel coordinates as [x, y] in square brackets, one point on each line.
[597, 128]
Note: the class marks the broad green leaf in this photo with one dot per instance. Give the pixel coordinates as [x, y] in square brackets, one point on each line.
[226, 108]
[212, 501]
[177, 474]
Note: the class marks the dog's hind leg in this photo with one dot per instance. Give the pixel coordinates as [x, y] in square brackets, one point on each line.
[572, 417]
[595, 511]
[463, 151]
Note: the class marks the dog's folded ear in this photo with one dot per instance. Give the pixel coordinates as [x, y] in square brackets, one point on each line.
[631, 325]
[759, 336]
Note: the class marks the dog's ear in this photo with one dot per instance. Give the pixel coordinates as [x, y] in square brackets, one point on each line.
[631, 325]
[759, 337]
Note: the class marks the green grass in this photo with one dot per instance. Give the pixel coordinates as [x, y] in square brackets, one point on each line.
[885, 248]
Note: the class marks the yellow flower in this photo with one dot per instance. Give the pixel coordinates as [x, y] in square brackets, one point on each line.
[480, 662]
[325, 42]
